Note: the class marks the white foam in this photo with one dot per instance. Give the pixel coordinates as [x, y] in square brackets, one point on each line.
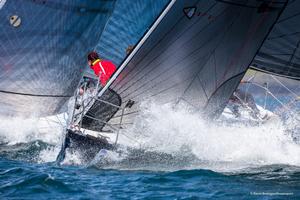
[162, 128]
[49, 154]
[73, 158]
[15, 130]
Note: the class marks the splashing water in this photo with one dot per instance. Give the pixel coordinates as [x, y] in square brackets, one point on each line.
[219, 146]
[31, 139]
[15, 130]
[164, 129]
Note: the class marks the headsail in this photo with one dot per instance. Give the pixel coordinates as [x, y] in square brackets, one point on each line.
[198, 59]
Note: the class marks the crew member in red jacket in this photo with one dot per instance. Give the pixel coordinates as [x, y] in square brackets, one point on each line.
[102, 68]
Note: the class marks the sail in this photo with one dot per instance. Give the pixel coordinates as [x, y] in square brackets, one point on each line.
[100, 112]
[43, 47]
[280, 53]
[195, 53]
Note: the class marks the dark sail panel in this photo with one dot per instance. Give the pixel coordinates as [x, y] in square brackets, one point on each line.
[280, 53]
[100, 112]
[203, 46]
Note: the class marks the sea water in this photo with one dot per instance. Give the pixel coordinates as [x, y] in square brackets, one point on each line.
[167, 154]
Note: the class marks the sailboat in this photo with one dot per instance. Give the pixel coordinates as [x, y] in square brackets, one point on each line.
[194, 53]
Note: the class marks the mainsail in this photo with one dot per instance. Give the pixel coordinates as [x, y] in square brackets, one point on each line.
[43, 47]
[195, 53]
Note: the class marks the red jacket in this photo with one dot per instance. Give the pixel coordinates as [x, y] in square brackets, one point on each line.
[104, 69]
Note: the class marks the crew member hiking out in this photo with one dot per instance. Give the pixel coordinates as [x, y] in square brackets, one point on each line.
[104, 69]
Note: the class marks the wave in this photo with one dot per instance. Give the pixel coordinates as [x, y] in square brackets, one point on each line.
[164, 139]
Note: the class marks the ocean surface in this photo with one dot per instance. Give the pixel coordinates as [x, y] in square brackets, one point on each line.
[180, 157]
[23, 180]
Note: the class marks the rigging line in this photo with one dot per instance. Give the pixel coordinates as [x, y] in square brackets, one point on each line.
[269, 92]
[129, 113]
[277, 60]
[292, 57]
[277, 74]
[34, 95]
[293, 93]
[112, 126]
[251, 78]
[271, 47]
[125, 123]
[159, 42]
[283, 43]
[284, 35]
[283, 105]
[282, 54]
[277, 68]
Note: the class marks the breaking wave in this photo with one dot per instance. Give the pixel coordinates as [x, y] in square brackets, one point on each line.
[164, 139]
[218, 145]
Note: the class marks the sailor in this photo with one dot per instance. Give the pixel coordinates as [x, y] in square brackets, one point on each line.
[104, 69]
[129, 49]
[243, 98]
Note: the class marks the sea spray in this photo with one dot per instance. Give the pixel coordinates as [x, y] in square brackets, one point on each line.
[31, 139]
[164, 129]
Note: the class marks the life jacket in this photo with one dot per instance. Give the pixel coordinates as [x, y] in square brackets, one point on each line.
[104, 69]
